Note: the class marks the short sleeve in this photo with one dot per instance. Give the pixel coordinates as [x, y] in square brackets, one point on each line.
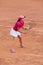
[19, 24]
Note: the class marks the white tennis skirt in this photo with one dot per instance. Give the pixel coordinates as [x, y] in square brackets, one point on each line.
[14, 33]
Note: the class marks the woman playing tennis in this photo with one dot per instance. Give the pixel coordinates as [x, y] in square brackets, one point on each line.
[15, 30]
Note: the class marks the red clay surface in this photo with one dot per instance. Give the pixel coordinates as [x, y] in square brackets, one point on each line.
[33, 40]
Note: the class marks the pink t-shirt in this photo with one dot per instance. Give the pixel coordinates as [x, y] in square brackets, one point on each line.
[18, 24]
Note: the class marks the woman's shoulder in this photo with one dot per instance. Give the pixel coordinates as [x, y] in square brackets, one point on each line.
[18, 22]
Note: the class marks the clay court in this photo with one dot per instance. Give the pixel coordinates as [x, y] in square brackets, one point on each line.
[32, 54]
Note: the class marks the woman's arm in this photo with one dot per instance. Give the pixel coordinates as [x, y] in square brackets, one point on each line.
[22, 30]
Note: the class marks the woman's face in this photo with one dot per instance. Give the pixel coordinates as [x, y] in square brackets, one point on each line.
[21, 20]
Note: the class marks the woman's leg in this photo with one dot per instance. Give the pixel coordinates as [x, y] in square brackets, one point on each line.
[13, 37]
[20, 39]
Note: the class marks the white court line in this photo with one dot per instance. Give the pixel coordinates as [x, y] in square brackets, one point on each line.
[4, 26]
[0, 25]
[34, 22]
[38, 29]
[37, 55]
[35, 29]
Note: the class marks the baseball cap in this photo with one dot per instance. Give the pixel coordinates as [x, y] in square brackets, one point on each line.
[21, 16]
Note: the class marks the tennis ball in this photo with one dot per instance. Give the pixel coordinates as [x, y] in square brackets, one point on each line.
[12, 50]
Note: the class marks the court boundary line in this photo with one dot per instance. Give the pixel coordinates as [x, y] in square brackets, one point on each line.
[32, 28]
[31, 54]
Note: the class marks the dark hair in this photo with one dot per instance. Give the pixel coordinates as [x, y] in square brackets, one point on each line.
[18, 19]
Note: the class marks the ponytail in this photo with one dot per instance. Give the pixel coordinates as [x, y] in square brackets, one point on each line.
[18, 19]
